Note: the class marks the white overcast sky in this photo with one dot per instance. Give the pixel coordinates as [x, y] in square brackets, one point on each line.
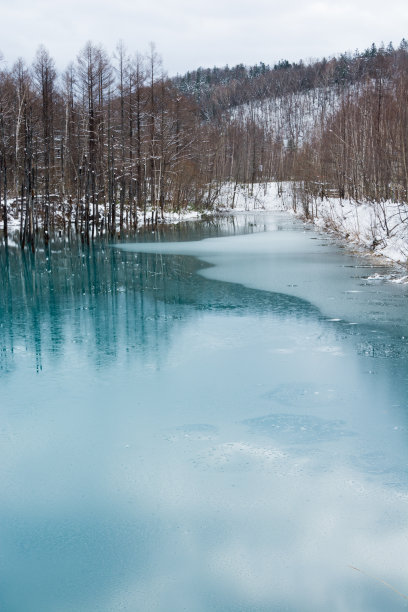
[192, 33]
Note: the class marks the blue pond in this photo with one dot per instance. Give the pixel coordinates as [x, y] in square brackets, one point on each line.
[210, 419]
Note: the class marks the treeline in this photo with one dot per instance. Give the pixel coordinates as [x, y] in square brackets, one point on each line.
[113, 142]
[360, 150]
[108, 143]
[218, 89]
[335, 127]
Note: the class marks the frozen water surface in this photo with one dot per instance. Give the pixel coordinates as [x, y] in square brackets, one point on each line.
[203, 425]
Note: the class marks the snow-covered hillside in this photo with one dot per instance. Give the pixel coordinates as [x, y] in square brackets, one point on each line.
[293, 118]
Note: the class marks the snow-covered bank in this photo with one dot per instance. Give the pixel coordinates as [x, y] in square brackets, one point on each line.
[380, 228]
[64, 215]
[176, 217]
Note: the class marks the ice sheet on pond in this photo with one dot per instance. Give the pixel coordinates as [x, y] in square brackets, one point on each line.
[181, 442]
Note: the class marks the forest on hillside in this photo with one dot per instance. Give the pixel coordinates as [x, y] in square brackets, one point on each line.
[113, 142]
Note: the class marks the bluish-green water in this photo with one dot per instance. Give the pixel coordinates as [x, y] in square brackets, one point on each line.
[203, 425]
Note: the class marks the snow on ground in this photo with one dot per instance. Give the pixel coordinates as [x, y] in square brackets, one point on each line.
[13, 218]
[380, 227]
[13, 222]
[236, 197]
[176, 217]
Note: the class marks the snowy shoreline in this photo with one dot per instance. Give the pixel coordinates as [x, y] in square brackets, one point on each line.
[379, 229]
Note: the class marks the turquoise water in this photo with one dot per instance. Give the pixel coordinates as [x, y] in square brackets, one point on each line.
[213, 419]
